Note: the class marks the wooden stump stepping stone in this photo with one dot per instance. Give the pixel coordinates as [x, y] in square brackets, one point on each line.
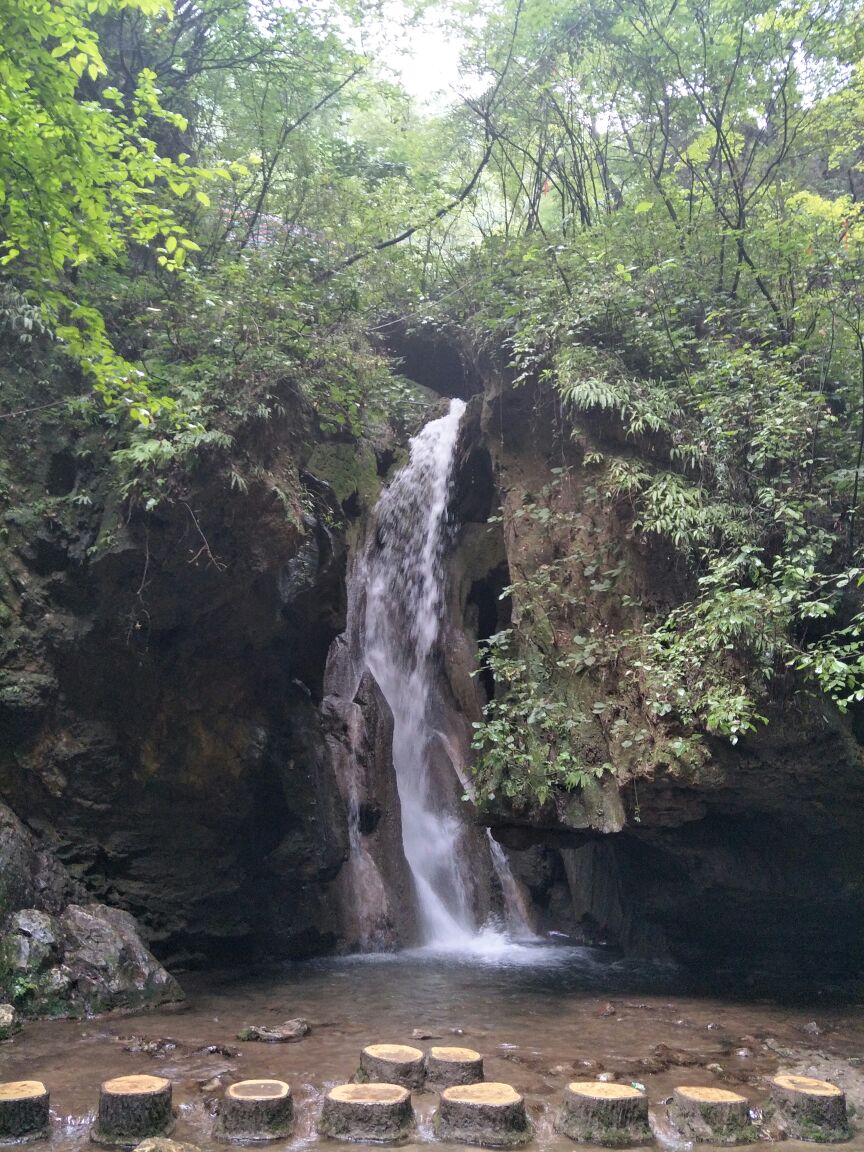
[23, 1111]
[712, 1115]
[611, 1115]
[446, 1066]
[254, 1112]
[131, 1108]
[809, 1109]
[392, 1064]
[492, 1115]
[380, 1113]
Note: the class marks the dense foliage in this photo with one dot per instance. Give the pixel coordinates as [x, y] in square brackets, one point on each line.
[682, 250]
[655, 208]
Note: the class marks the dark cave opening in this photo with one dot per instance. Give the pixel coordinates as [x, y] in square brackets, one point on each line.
[493, 615]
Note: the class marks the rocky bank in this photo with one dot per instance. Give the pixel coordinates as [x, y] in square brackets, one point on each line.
[163, 750]
[746, 858]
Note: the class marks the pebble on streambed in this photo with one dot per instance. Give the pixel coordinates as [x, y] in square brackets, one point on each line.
[254, 1112]
[608, 1114]
[711, 1116]
[24, 1114]
[808, 1109]
[392, 1064]
[491, 1115]
[376, 1113]
[131, 1108]
[448, 1066]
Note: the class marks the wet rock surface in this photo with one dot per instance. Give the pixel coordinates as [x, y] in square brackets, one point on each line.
[739, 860]
[87, 960]
[290, 1032]
[164, 1144]
[10, 1022]
[160, 682]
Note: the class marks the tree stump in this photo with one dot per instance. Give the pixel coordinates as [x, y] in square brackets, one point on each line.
[611, 1115]
[381, 1113]
[392, 1064]
[23, 1111]
[254, 1112]
[446, 1066]
[131, 1108]
[810, 1109]
[492, 1115]
[711, 1115]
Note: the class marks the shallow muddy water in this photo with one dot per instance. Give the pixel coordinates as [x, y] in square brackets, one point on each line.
[541, 1016]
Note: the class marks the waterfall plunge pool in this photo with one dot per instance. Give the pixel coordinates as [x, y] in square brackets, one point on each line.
[541, 1015]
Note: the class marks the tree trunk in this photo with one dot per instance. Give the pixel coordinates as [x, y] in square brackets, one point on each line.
[23, 1111]
[361, 1112]
[810, 1109]
[255, 1112]
[712, 1115]
[446, 1066]
[611, 1115]
[492, 1115]
[131, 1108]
[392, 1064]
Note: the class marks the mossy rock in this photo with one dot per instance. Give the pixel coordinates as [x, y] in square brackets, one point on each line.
[348, 469]
[10, 1024]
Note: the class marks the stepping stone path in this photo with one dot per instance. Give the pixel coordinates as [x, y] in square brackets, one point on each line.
[611, 1115]
[255, 1112]
[446, 1066]
[131, 1108]
[711, 1115]
[492, 1115]
[392, 1064]
[380, 1113]
[809, 1109]
[23, 1111]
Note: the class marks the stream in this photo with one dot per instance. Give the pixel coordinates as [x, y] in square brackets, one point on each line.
[541, 1015]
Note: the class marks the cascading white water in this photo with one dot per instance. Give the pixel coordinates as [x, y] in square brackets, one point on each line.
[403, 610]
[404, 604]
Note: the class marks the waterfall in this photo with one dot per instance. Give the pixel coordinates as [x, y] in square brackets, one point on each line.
[405, 586]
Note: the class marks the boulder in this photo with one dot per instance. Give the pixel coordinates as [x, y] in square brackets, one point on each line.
[9, 1022]
[87, 960]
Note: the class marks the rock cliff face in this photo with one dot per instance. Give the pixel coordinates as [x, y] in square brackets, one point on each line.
[752, 859]
[168, 745]
[161, 735]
